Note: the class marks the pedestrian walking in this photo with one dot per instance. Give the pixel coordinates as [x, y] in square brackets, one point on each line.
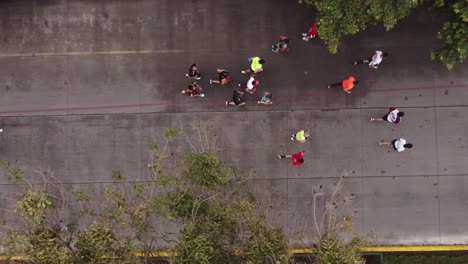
[312, 33]
[374, 60]
[223, 77]
[300, 136]
[347, 84]
[256, 65]
[193, 72]
[297, 158]
[266, 99]
[393, 116]
[237, 98]
[281, 46]
[398, 144]
[193, 90]
[251, 85]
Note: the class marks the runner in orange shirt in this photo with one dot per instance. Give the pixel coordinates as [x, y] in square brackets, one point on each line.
[347, 84]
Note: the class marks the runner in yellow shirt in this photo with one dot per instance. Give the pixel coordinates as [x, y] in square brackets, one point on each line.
[301, 136]
[256, 65]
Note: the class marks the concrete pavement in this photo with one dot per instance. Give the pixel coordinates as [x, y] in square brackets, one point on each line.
[77, 108]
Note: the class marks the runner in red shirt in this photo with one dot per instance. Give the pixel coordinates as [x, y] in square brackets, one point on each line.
[312, 33]
[297, 158]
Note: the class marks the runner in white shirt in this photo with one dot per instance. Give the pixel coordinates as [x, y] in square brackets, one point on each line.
[373, 61]
[376, 59]
[398, 144]
[393, 116]
[251, 85]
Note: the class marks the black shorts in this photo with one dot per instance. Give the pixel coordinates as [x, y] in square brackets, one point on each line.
[385, 117]
[236, 98]
[193, 74]
[393, 144]
[223, 75]
[191, 91]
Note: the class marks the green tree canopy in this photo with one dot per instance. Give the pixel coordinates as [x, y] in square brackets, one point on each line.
[338, 18]
[454, 34]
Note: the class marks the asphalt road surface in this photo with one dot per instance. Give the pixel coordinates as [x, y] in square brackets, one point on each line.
[85, 86]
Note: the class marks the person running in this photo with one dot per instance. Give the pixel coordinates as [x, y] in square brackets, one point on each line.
[251, 85]
[347, 84]
[312, 33]
[223, 77]
[237, 98]
[281, 46]
[301, 136]
[256, 65]
[193, 72]
[398, 144]
[393, 116]
[375, 60]
[297, 158]
[266, 99]
[193, 90]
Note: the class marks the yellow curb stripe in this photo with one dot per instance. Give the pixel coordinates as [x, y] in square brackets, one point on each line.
[18, 258]
[300, 251]
[80, 53]
[155, 254]
[428, 248]
[369, 249]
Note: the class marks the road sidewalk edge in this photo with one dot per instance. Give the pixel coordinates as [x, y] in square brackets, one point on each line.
[298, 251]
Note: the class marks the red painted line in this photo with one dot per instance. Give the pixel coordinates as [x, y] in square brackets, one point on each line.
[418, 88]
[202, 101]
[385, 90]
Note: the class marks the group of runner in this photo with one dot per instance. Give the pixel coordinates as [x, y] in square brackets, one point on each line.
[393, 115]
[224, 77]
[256, 66]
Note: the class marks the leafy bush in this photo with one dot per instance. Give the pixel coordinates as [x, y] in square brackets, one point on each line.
[98, 244]
[334, 250]
[32, 205]
[206, 170]
[266, 244]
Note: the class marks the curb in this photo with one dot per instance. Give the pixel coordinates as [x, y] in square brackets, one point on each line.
[299, 251]
[414, 248]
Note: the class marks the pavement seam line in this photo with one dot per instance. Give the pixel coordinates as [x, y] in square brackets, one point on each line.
[205, 102]
[218, 111]
[437, 161]
[87, 53]
[362, 171]
[67, 118]
[253, 179]
[438, 171]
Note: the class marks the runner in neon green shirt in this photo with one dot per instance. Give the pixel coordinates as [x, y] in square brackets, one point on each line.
[256, 65]
[301, 136]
